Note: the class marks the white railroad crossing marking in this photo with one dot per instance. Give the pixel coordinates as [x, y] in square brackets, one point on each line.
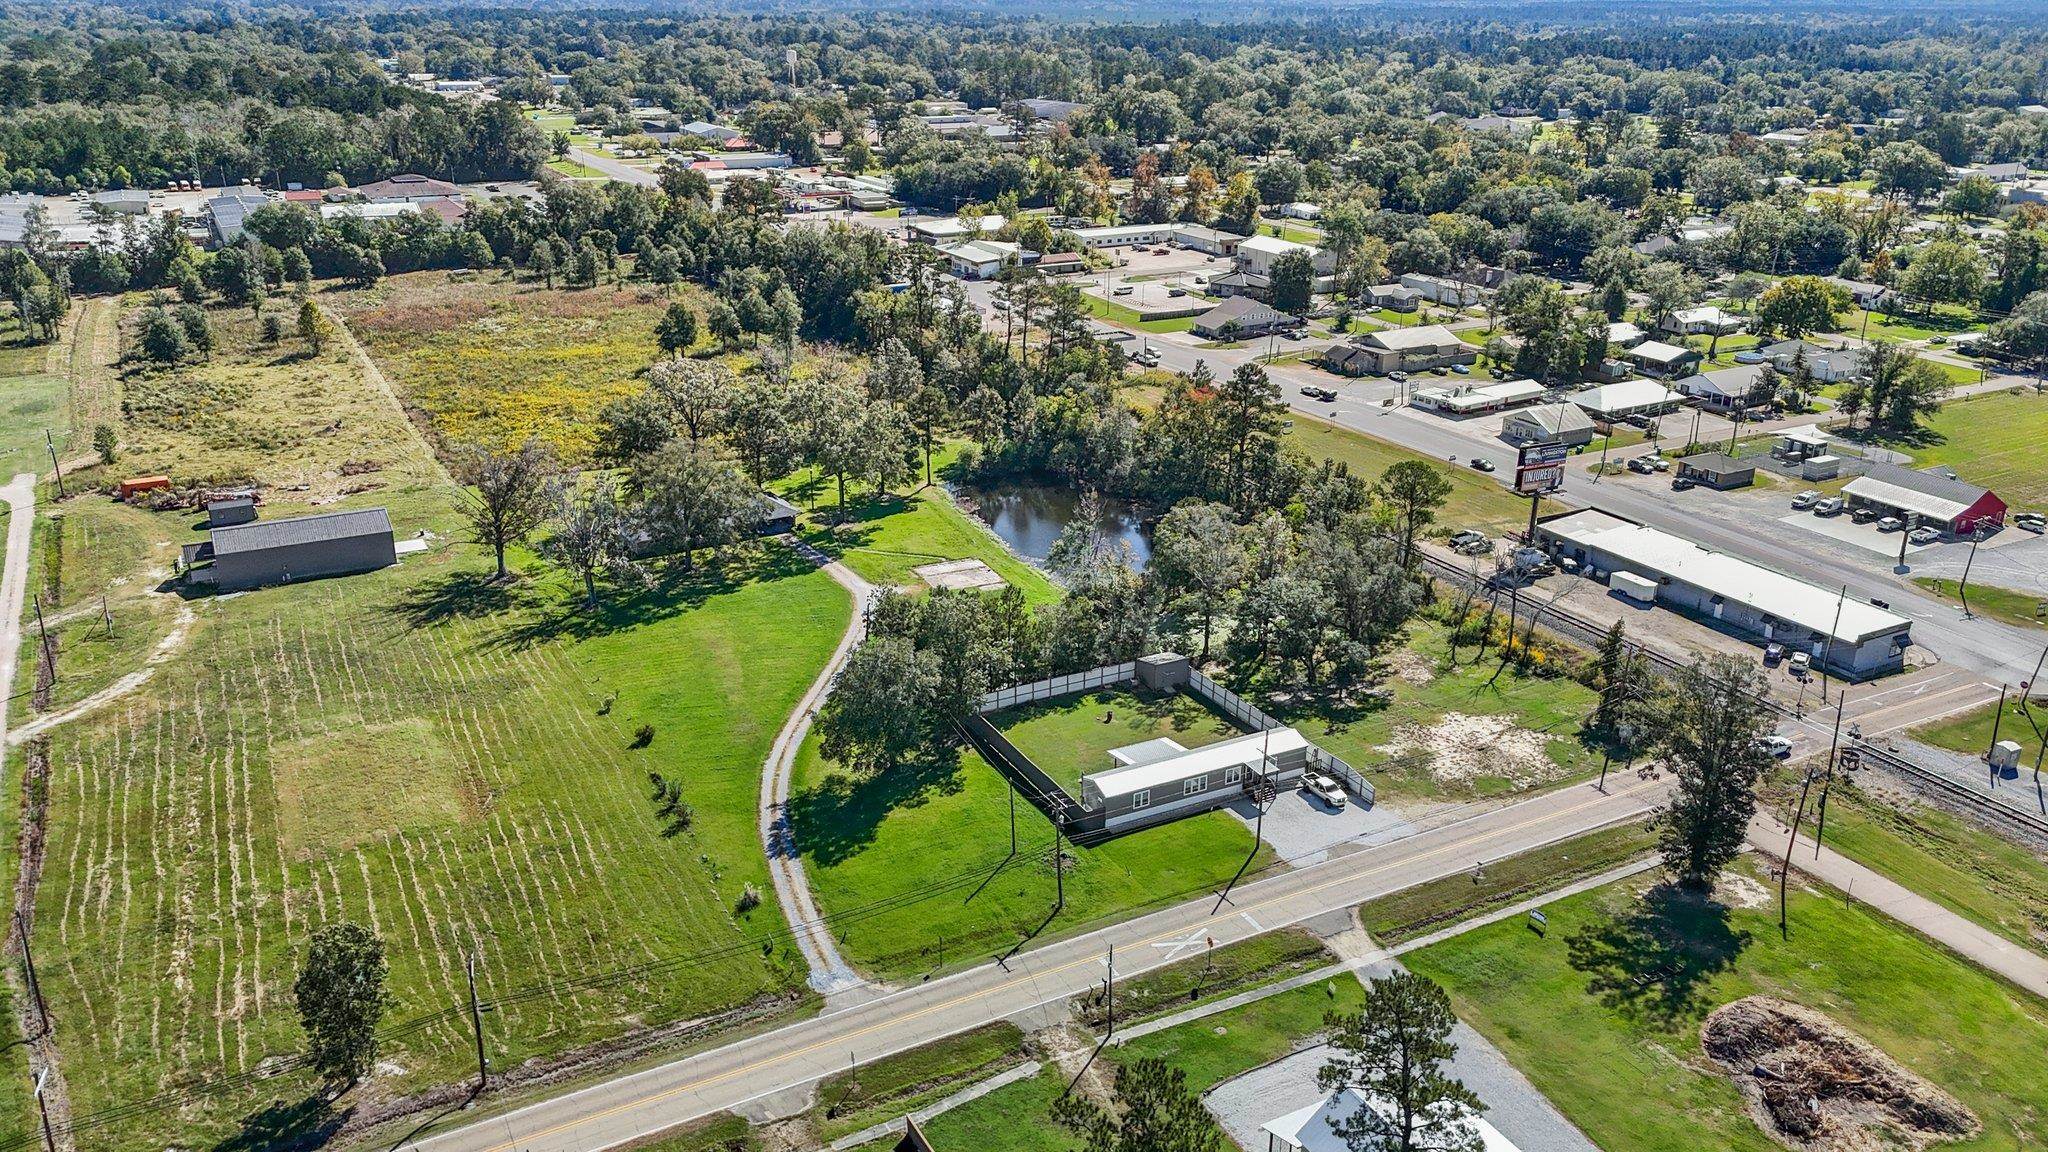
[1174, 948]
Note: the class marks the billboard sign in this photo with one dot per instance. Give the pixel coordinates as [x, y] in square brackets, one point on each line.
[1542, 453]
[1536, 479]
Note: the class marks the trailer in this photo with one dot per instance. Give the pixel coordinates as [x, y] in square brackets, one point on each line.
[1637, 588]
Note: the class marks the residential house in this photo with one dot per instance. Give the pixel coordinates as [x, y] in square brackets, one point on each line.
[1656, 358]
[1442, 290]
[1414, 349]
[1394, 297]
[1245, 318]
[1623, 334]
[1717, 470]
[1725, 390]
[1707, 320]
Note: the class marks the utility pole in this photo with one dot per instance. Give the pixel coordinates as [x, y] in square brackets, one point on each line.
[1963, 586]
[49, 1139]
[1059, 868]
[1828, 648]
[1997, 718]
[1785, 868]
[49, 657]
[1110, 984]
[35, 985]
[54, 466]
[476, 1024]
[1820, 829]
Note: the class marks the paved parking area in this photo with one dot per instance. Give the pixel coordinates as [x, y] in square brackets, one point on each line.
[1303, 831]
[1845, 529]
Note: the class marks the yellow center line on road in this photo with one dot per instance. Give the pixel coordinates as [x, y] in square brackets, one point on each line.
[1027, 977]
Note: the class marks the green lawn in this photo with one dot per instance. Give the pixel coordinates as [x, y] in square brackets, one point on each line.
[31, 400]
[1943, 320]
[912, 864]
[1437, 904]
[1603, 1014]
[1013, 1118]
[884, 539]
[1071, 736]
[1520, 732]
[451, 761]
[1477, 500]
[1994, 440]
[1986, 600]
[1970, 731]
[1116, 313]
[896, 1085]
[1291, 232]
[574, 169]
[1971, 871]
[720, 1132]
[1220, 972]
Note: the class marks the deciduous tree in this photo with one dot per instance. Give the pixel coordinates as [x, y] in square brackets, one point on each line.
[506, 494]
[340, 996]
[1716, 712]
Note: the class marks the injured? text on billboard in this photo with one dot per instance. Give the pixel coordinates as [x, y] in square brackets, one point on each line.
[1536, 479]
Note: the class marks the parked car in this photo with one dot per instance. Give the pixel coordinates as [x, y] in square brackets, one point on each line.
[1828, 507]
[1640, 465]
[1805, 500]
[1660, 463]
[1482, 463]
[1398, 377]
[1890, 524]
[1876, 603]
[1638, 420]
[1323, 788]
[1471, 542]
[1776, 747]
[1773, 653]
[1925, 534]
[2031, 521]
[1863, 515]
[1801, 663]
[1149, 357]
[1291, 334]
[1122, 290]
[1683, 483]
[1461, 370]
[1176, 291]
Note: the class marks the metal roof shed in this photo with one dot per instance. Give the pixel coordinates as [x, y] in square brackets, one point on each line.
[302, 548]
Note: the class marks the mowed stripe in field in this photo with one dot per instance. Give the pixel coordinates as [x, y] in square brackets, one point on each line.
[328, 752]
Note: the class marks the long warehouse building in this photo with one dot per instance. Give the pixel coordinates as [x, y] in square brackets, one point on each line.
[1849, 637]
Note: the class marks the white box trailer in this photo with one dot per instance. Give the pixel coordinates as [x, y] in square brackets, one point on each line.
[1639, 588]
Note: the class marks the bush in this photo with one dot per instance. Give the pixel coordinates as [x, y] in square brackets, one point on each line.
[750, 899]
[643, 736]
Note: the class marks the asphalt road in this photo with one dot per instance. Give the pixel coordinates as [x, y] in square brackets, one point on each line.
[631, 1107]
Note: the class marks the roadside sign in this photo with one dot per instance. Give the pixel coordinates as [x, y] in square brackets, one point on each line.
[1534, 480]
[1538, 922]
[1547, 452]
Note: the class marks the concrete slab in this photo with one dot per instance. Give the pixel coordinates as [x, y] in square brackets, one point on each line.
[1847, 531]
[959, 575]
[1303, 831]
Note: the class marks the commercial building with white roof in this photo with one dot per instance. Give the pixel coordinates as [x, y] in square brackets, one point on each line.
[1476, 399]
[1315, 1127]
[1847, 636]
[1627, 398]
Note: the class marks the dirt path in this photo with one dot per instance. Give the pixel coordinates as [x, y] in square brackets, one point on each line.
[21, 519]
[376, 376]
[831, 975]
[169, 646]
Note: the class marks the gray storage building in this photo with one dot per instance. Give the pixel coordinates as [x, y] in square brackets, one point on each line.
[300, 548]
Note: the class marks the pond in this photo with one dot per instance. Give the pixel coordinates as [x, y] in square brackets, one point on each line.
[1030, 516]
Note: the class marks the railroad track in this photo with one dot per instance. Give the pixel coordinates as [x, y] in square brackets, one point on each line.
[1590, 634]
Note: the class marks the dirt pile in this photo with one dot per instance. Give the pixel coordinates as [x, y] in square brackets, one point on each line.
[1812, 1084]
[1460, 748]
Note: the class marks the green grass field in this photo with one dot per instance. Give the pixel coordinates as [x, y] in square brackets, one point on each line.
[896, 1085]
[1943, 320]
[1951, 861]
[721, 1132]
[1477, 500]
[912, 865]
[1218, 973]
[575, 169]
[451, 761]
[1436, 732]
[1603, 1014]
[32, 398]
[1986, 600]
[1071, 736]
[1993, 440]
[1426, 908]
[885, 538]
[489, 359]
[1970, 732]
[1130, 318]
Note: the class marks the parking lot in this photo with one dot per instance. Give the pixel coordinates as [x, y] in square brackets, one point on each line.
[1303, 830]
[1145, 281]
